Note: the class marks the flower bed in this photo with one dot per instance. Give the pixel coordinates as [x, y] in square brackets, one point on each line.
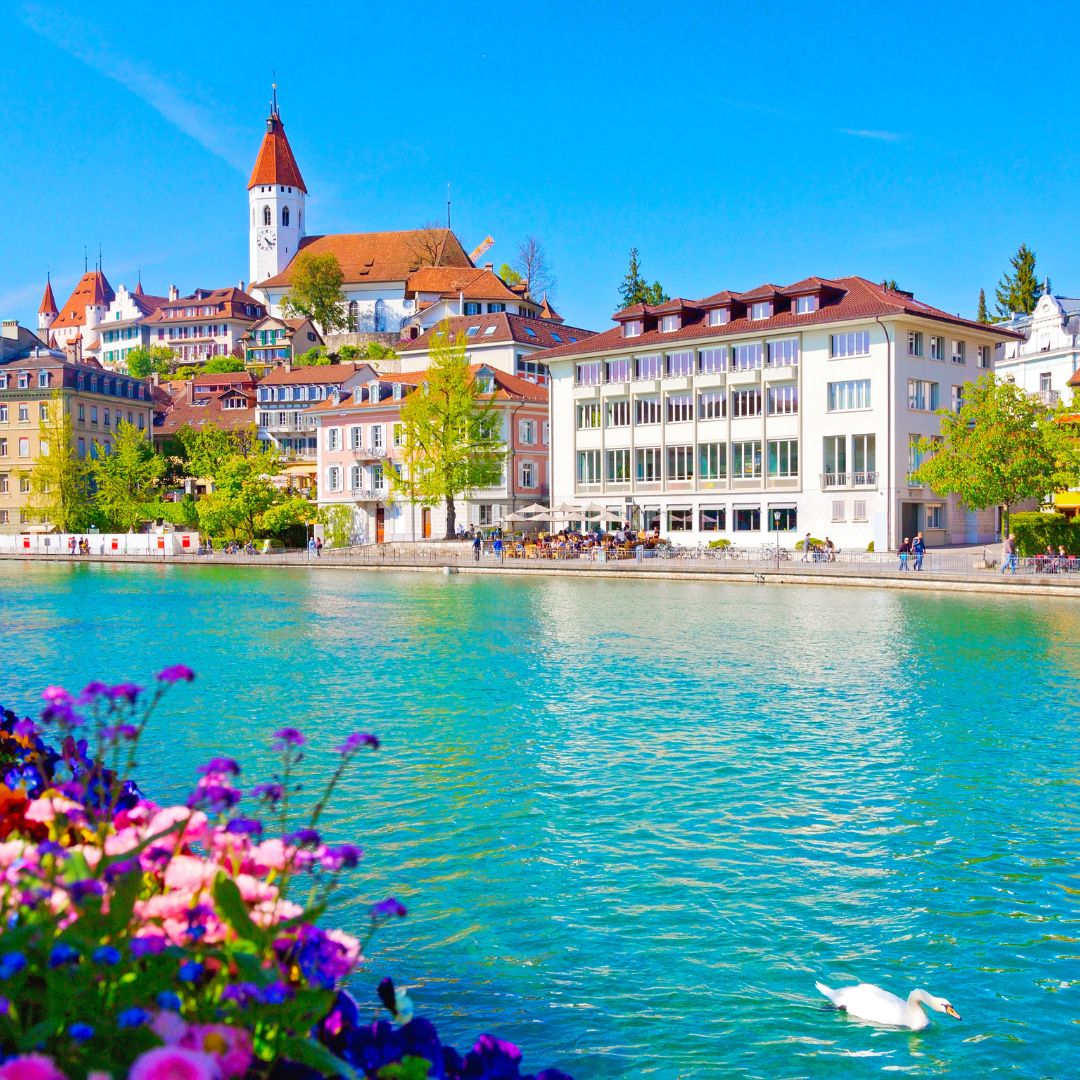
[162, 942]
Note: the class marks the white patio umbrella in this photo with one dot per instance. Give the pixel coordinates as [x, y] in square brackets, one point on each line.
[536, 508]
[563, 509]
[516, 518]
[592, 509]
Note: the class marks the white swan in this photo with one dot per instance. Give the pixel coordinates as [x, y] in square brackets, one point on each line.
[880, 1007]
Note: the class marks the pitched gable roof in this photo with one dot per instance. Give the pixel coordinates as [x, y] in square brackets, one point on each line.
[449, 281]
[379, 256]
[92, 290]
[275, 163]
[498, 328]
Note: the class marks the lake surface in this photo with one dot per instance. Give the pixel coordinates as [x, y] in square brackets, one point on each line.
[634, 821]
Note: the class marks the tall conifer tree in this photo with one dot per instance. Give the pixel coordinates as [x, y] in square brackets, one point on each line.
[982, 315]
[1019, 291]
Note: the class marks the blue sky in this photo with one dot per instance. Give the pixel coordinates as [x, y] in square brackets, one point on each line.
[732, 143]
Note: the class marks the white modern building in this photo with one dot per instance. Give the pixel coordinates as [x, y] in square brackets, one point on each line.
[123, 326]
[786, 409]
[1046, 354]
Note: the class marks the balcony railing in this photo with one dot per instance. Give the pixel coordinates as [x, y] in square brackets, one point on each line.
[1049, 397]
[849, 479]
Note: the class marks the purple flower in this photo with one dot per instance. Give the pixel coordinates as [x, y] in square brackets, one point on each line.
[106, 954]
[215, 797]
[63, 714]
[56, 695]
[244, 827]
[190, 971]
[275, 994]
[24, 728]
[342, 856]
[241, 993]
[62, 954]
[174, 674]
[150, 945]
[126, 691]
[51, 847]
[80, 890]
[272, 793]
[92, 691]
[388, 908]
[126, 732]
[220, 766]
[287, 737]
[355, 741]
[303, 838]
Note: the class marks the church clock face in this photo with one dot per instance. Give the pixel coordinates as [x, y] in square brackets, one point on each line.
[266, 240]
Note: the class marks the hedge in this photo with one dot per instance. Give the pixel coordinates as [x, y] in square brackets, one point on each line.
[1034, 530]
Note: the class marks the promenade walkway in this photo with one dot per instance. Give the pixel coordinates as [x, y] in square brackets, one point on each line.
[950, 570]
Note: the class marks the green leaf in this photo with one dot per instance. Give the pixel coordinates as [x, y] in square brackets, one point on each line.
[231, 907]
[122, 902]
[408, 1068]
[308, 1052]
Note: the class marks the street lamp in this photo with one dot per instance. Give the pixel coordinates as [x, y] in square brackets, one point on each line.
[776, 527]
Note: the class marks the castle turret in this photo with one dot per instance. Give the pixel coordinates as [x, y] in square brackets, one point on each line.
[48, 310]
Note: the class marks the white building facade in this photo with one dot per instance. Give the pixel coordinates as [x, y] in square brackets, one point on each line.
[784, 410]
[1047, 356]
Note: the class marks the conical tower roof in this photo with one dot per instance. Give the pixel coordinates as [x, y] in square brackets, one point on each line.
[48, 301]
[549, 313]
[275, 163]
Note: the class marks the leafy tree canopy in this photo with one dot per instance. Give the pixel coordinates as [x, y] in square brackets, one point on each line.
[1002, 448]
[1019, 290]
[450, 433]
[59, 480]
[127, 479]
[144, 361]
[316, 292]
[317, 357]
[218, 365]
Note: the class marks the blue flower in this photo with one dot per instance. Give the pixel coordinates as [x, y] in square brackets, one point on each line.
[107, 954]
[11, 964]
[190, 970]
[62, 954]
[274, 994]
[81, 1032]
[133, 1017]
[168, 1000]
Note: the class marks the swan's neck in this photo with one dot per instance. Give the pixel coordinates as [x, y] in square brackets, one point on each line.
[917, 998]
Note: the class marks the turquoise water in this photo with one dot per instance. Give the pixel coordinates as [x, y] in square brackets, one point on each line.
[634, 821]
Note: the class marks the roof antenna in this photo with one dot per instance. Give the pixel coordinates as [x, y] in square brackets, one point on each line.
[448, 206]
[99, 256]
[273, 87]
[85, 260]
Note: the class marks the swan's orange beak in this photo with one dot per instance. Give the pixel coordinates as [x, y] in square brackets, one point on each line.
[952, 1012]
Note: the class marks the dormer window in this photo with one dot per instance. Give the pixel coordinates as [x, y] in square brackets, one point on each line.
[761, 310]
[804, 305]
[373, 391]
[719, 316]
[633, 328]
[397, 391]
[485, 382]
[670, 322]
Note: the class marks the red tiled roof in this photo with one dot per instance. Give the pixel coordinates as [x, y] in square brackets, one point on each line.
[226, 304]
[450, 281]
[504, 327]
[762, 292]
[180, 411]
[548, 312]
[225, 378]
[855, 298]
[1074, 379]
[379, 256]
[275, 163]
[48, 301]
[93, 289]
[324, 375]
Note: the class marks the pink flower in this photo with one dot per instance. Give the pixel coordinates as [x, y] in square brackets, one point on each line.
[230, 1046]
[271, 854]
[98, 1076]
[30, 1067]
[253, 890]
[174, 1063]
[171, 816]
[47, 808]
[190, 874]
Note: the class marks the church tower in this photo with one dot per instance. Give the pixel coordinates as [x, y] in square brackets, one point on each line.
[47, 312]
[276, 195]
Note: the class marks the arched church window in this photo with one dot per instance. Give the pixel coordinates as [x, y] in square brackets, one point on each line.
[284, 215]
[354, 311]
[380, 316]
[268, 218]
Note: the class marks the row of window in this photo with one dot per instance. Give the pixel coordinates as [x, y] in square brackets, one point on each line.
[705, 462]
[179, 333]
[375, 479]
[680, 408]
[955, 349]
[43, 414]
[125, 333]
[762, 309]
[748, 356]
[24, 412]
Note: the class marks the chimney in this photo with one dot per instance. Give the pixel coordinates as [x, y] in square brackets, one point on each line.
[10, 329]
[240, 286]
[287, 365]
[489, 266]
[155, 378]
[174, 293]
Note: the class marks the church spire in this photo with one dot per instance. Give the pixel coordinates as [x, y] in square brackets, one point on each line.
[48, 301]
[275, 163]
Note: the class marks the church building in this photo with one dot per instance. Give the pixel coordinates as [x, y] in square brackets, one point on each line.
[377, 266]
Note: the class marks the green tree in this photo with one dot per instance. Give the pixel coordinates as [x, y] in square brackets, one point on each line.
[1002, 448]
[316, 357]
[982, 315]
[147, 360]
[337, 522]
[316, 292]
[371, 353]
[59, 481]
[509, 274]
[219, 365]
[891, 284]
[127, 479]
[635, 290]
[450, 432]
[1018, 291]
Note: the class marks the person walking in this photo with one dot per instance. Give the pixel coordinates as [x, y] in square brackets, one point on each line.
[905, 553]
[1008, 552]
[806, 548]
[918, 549]
[318, 548]
[497, 548]
[311, 547]
[476, 542]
